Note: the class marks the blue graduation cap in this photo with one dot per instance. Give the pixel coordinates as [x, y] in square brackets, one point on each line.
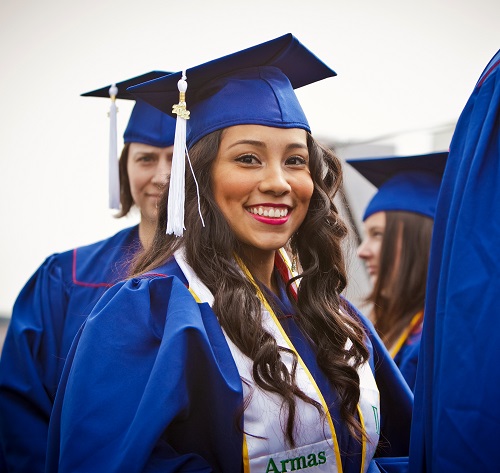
[405, 183]
[252, 86]
[146, 125]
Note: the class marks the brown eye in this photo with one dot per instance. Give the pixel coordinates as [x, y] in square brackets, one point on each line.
[247, 159]
[296, 161]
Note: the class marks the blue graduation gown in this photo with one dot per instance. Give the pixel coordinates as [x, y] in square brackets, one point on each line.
[46, 316]
[150, 385]
[457, 413]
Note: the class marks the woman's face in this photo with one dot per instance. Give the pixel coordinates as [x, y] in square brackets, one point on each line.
[148, 169]
[369, 250]
[262, 184]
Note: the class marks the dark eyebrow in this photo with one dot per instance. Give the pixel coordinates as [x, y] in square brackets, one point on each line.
[145, 153]
[263, 145]
[247, 142]
[296, 145]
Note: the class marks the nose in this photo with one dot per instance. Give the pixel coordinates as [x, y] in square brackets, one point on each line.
[162, 173]
[363, 250]
[274, 181]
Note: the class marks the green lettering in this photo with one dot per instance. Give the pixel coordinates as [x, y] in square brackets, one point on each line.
[298, 463]
[271, 467]
[377, 421]
[311, 460]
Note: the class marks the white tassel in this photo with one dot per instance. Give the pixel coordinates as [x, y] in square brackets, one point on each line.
[114, 177]
[176, 193]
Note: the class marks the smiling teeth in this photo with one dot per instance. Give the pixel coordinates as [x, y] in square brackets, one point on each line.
[269, 212]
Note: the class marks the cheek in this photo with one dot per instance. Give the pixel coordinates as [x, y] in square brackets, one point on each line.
[230, 190]
[137, 178]
[132, 172]
[304, 189]
[133, 184]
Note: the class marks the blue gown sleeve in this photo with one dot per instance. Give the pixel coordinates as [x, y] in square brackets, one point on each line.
[149, 385]
[29, 368]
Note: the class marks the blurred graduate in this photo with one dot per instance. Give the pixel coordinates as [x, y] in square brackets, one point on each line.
[398, 224]
[457, 414]
[214, 356]
[61, 293]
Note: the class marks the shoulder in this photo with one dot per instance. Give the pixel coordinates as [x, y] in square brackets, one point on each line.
[118, 242]
[108, 248]
[155, 285]
[120, 237]
[151, 306]
[105, 262]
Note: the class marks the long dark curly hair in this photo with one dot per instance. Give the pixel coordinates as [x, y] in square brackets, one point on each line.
[337, 337]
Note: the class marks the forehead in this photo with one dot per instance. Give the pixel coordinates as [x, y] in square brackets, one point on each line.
[264, 134]
[135, 147]
[376, 220]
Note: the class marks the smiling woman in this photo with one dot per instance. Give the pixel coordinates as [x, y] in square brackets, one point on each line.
[262, 185]
[227, 362]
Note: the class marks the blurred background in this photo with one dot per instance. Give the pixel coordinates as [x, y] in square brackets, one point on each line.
[405, 71]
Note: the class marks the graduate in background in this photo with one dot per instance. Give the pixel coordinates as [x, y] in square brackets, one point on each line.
[398, 224]
[457, 413]
[214, 356]
[61, 293]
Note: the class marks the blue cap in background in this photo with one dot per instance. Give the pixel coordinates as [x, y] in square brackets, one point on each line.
[405, 183]
[146, 124]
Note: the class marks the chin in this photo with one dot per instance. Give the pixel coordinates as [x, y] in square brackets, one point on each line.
[260, 244]
[151, 216]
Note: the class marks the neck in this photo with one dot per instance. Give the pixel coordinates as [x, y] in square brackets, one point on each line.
[146, 232]
[261, 265]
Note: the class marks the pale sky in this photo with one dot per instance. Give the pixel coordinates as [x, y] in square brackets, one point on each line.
[405, 70]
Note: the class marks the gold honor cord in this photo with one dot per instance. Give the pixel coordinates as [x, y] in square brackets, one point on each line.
[304, 367]
[196, 298]
[406, 332]
[363, 442]
[246, 460]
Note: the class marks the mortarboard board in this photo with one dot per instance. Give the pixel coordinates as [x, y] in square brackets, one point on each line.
[252, 86]
[146, 125]
[405, 183]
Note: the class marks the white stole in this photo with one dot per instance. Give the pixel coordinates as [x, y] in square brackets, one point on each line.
[265, 447]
